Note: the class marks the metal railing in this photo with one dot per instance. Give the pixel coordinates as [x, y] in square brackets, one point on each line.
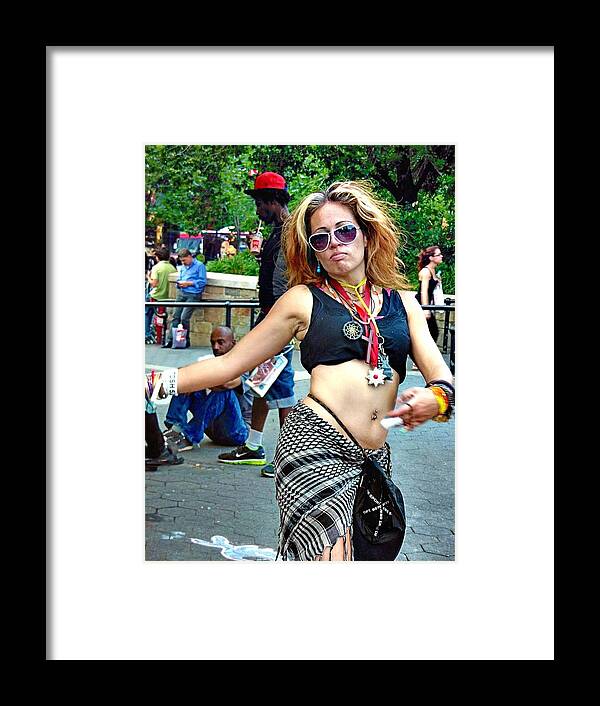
[227, 304]
[446, 308]
[253, 304]
[448, 330]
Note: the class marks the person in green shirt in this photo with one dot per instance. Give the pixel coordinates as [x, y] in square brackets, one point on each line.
[159, 281]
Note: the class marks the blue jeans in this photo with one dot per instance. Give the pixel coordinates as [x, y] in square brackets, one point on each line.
[182, 314]
[281, 393]
[149, 314]
[218, 415]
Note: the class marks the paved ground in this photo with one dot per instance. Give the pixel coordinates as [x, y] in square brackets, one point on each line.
[202, 498]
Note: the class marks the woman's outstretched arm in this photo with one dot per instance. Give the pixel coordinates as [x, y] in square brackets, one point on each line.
[284, 320]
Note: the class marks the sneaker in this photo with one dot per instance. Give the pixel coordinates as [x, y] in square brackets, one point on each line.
[167, 458]
[173, 435]
[242, 454]
[268, 471]
[183, 444]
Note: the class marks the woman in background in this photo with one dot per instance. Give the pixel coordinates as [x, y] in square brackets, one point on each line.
[429, 281]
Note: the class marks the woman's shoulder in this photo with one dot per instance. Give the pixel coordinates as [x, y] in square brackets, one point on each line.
[299, 293]
[306, 290]
[300, 288]
[296, 303]
[425, 273]
[408, 299]
[308, 295]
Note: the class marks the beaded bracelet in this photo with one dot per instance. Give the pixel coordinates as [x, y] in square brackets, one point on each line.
[441, 397]
[444, 387]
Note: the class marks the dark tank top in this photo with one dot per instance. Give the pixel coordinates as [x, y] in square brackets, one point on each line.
[430, 287]
[325, 343]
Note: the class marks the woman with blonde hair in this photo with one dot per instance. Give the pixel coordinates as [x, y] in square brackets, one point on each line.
[348, 307]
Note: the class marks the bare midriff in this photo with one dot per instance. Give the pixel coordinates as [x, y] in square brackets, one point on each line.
[344, 389]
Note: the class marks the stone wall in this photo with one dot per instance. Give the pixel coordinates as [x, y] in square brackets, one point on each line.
[220, 286]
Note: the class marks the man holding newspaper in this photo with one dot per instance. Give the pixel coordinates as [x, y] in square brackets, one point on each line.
[272, 381]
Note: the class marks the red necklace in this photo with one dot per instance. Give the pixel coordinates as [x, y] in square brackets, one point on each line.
[376, 358]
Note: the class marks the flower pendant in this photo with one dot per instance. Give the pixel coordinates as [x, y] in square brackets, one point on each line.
[376, 377]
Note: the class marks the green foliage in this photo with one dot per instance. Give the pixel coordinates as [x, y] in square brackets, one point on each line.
[197, 187]
[430, 221]
[447, 274]
[243, 263]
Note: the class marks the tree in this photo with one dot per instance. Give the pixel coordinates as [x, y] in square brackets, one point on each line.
[400, 170]
[196, 186]
[202, 186]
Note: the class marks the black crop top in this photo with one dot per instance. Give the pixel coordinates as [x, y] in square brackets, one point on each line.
[325, 343]
[431, 285]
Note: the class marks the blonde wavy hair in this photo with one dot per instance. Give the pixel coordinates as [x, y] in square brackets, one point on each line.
[383, 266]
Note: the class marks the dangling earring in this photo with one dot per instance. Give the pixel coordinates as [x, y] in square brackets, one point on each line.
[318, 268]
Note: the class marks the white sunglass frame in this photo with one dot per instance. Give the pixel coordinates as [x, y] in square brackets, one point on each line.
[331, 234]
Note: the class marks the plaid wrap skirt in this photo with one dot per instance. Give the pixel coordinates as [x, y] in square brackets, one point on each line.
[316, 478]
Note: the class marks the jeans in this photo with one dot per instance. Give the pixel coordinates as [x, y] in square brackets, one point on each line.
[281, 393]
[148, 315]
[182, 314]
[218, 415]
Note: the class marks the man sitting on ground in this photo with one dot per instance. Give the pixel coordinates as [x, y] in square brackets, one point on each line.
[223, 413]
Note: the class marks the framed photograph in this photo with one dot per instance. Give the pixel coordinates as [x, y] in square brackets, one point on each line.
[359, 113]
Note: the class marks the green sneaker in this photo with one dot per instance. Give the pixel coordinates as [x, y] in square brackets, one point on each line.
[244, 455]
[268, 471]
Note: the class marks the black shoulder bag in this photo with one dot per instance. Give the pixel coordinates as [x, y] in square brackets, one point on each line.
[379, 518]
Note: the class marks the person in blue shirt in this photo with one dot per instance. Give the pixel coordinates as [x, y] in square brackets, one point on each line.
[190, 285]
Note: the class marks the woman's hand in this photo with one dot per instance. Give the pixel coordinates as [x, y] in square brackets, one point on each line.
[415, 406]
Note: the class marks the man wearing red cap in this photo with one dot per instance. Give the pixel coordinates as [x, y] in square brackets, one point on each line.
[271, 197]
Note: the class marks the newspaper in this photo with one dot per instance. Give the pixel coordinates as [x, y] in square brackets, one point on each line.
[265, 374]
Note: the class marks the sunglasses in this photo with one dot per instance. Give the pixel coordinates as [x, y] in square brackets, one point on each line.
[344, 235]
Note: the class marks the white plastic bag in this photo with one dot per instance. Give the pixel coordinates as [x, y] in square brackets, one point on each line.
[179, 336]
[438, 294]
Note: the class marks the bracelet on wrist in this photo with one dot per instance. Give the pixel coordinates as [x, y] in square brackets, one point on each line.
[445, 385]
[169, 381]
[441, 397]
[444, 393]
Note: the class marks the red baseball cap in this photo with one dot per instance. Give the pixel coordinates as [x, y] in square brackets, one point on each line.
[267, 180]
